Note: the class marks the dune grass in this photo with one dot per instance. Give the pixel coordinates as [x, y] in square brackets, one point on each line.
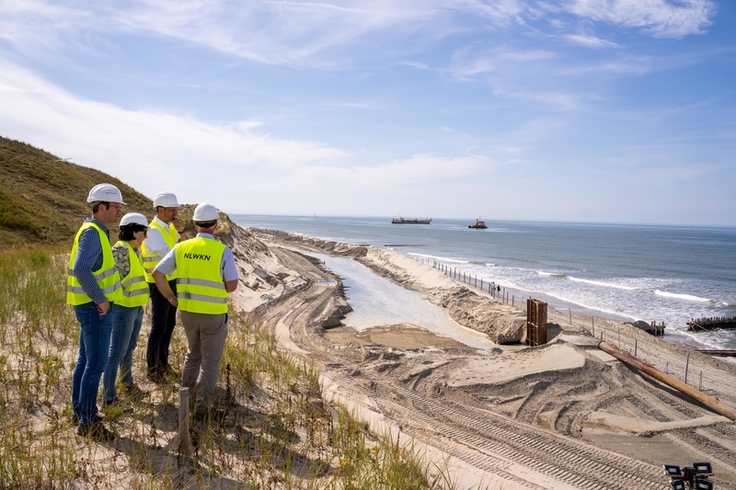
[279, 431]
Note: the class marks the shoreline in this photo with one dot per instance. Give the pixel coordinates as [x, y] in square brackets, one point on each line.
[562, 308]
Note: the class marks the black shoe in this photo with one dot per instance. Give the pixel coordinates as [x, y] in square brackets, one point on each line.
[75, 417]
[211, 415]
[96, 431]
[111, 403]
[116, 404]
[135, 392]
[157, 377]
[169, 372]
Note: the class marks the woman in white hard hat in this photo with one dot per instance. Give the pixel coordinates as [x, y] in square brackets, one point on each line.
[127, 312]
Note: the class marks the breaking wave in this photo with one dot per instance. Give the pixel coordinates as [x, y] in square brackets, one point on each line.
[604, 284]
[686, 297]
[439, 259]
[559, 275]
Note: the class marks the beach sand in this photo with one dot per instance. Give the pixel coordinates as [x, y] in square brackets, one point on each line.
[561, 415]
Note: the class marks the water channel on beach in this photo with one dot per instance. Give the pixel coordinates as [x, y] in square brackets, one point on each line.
[376, 301]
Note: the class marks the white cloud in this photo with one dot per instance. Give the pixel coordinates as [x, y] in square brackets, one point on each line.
[475, 60]
[274, 32]
[149, 150]
[660, 17]
[590, 41]
[416, 172]
[499, 11]
[323, 34]
[224, 163]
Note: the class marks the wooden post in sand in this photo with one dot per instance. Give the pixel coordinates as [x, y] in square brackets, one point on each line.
[536, 322]
[707, 400]
[185, 441]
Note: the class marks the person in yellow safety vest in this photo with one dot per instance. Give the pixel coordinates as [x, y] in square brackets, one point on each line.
[93, 285]
[164, 231]
[127, 312]
[205, 274]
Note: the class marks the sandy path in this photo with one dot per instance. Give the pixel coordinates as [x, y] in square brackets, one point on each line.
[562, 415]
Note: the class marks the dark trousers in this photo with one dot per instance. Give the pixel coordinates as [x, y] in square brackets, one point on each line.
[162, 327]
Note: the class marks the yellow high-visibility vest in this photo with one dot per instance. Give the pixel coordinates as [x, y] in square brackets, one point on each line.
[200, 287]
[149, 257]
[107, 276]
[135, 287]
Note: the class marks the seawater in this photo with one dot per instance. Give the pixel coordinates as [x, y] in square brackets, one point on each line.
[377, 301]
[667, 274]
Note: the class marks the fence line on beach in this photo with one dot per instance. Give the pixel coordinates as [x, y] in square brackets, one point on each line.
[679, 368]
[496, 292]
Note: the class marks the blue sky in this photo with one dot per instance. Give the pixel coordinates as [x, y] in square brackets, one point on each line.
[569, 110]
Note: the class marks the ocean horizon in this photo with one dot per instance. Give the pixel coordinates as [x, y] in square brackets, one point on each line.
[656, 273]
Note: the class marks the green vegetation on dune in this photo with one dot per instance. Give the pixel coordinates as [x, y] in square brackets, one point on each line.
[43, 199]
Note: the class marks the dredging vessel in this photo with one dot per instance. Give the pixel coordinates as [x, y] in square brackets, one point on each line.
[403, 221]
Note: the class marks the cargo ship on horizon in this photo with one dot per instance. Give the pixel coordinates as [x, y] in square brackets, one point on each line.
[403, 221]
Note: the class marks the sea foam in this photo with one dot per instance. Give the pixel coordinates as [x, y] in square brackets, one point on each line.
[686, 297]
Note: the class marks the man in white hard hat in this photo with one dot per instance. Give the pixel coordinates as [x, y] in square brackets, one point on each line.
[164, 231]
[93, 284]
[206, 273]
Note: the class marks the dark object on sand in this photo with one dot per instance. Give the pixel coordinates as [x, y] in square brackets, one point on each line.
[653, 329]
[403, 221]
[719, 352]
[479, 224]
[711, 323]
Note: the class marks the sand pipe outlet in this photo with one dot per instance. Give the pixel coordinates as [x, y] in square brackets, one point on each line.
[707, 400]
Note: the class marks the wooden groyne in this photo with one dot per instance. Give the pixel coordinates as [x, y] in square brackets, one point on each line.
[711, 323]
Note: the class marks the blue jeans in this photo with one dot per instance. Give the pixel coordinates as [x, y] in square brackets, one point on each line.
[94, 344]
[126, 325]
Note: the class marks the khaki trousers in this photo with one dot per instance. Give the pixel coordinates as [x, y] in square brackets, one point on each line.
[206, 335]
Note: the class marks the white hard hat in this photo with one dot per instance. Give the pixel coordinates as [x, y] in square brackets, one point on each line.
[134, 219]
[165, 200]
[105, 192]
[205, 212]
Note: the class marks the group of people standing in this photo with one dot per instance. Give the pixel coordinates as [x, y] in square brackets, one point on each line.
[109, 286]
